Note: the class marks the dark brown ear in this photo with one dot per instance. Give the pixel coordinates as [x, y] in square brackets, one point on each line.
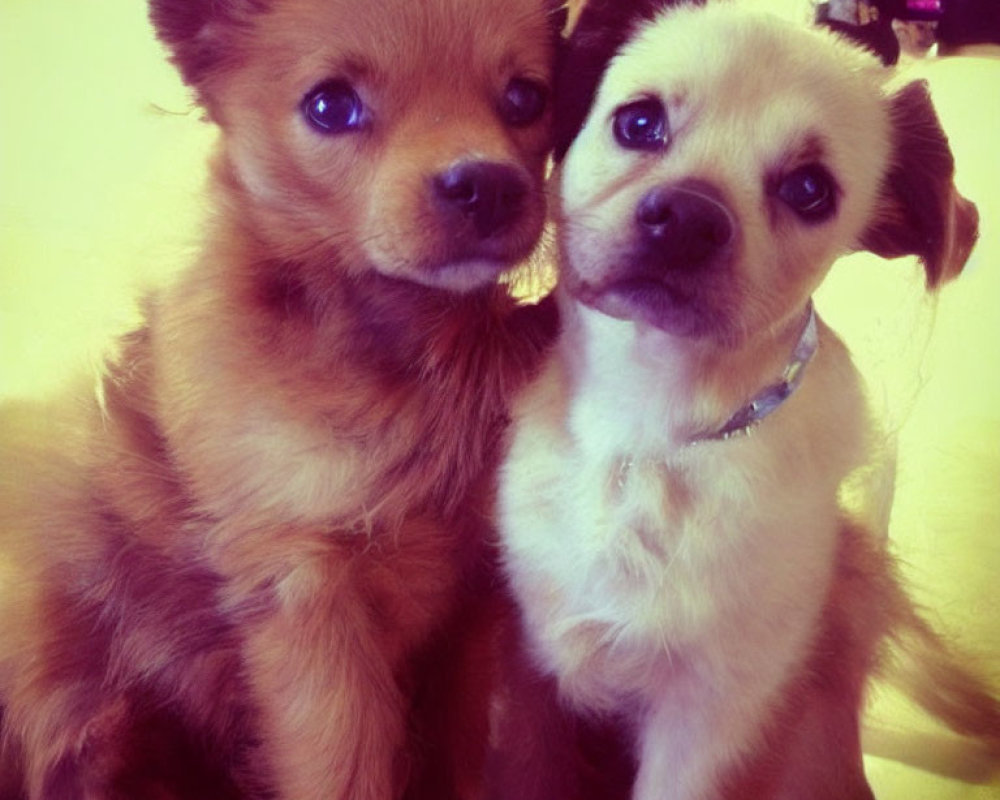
[558, 18]
[195, 31]
[920, 212]
[603, 27]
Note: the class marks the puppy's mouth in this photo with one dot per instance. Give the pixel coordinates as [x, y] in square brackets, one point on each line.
[478, 219]
[464, 263]
[455, 268]
[483, 209]
[675, 309]
[463, 274]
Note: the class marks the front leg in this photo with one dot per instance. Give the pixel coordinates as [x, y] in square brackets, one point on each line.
[331, 713]
[330, 625]
[704, 740]
[702, 725]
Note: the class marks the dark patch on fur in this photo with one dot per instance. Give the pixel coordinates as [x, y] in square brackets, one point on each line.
[283, 293]
[383, 332]
[600, 33]
[143, 451]
[443, 345]
[407, 331]
[81, 647]
[543, 749]
[63, 780]
[175, 600]
[158, 757]
[920, 214]
[11, 766]
[450, 683]
[143, 596]
[164, 758]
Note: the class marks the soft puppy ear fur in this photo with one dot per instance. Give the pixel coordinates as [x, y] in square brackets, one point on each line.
[920, 212]
[559, 19]
[196, 31]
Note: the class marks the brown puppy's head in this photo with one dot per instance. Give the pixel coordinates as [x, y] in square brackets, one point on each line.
[723, 160]
[407, 138]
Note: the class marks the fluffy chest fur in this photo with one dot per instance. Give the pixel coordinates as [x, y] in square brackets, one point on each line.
[643, 559]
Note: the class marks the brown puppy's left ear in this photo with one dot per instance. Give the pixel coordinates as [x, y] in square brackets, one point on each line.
[195, 31]
[920, 212]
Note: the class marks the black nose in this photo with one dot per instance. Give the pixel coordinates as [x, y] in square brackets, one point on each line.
[683, 227]
[489, 195]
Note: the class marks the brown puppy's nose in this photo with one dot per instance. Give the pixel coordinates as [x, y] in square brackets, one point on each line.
[489, 195]
[681, 228]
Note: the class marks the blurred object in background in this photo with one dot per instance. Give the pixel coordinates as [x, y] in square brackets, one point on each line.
[913, 27]
[916, 37]
[867, 22]
[917, 10]
[967, 22]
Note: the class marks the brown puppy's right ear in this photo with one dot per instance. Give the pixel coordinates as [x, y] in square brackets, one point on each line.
[197, 31]
[600, 31]
[558, 18]
[920, 212]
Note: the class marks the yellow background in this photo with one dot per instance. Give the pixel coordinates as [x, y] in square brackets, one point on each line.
[101, 164]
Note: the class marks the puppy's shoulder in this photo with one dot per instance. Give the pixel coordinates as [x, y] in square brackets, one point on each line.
[833, 410]
[837, 379]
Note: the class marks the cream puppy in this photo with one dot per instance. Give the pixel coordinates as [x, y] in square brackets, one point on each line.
[669, 509]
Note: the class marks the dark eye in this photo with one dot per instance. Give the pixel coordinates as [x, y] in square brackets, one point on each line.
[641, 125]
[523, 102]
[810, 192]
[334, 107]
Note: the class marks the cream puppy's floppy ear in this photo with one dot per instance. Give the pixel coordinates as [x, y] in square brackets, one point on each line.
[919, 211]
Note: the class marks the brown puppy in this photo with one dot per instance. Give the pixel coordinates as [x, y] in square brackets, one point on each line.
[671, 507]
[272, 508]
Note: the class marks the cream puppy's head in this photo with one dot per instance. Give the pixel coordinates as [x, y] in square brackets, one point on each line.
[715, 162]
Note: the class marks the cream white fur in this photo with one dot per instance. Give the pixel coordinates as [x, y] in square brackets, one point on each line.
[658, 584]
[685, 581]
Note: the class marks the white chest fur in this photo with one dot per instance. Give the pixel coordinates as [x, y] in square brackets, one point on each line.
[683, 578]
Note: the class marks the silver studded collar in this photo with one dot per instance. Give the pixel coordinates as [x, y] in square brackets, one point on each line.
[771, 397]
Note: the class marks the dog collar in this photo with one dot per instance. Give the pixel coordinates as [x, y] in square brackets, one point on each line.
[769, 399]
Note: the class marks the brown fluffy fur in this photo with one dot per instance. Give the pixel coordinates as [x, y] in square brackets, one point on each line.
[229, 573]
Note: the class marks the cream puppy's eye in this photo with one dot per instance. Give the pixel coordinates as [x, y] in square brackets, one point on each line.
[333, 107]
[810, 192]
[641, 125]
[523, 102]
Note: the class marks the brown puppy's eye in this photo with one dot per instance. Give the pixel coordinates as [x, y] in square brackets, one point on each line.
[641, 125]
[810, 192]
[333, 107]
[523, 102]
